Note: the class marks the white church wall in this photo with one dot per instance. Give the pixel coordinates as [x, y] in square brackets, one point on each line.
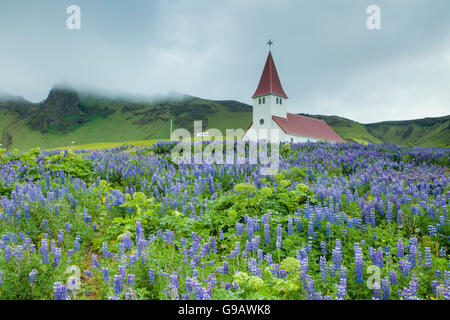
[262, 112]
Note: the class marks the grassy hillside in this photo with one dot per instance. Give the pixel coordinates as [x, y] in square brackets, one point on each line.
[428, 131]
[124, 121]
[69, 118]
[420, 132]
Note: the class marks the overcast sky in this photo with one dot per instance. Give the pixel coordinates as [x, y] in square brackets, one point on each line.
[328, 61]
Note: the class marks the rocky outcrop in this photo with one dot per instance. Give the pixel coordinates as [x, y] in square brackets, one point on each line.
[61, 103]
[62, 111]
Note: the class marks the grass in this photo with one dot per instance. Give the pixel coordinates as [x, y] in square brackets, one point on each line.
[110, 145]
[117, 128]
[147, 122]
[420, 132]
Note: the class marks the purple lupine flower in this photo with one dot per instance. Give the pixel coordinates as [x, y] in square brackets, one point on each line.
[310, 287]
[413, 255]
[60, 291]
[405, 293]
[376, 291]
[8, 253]
[268, 258]
[52, 246]
[126, 240]
[393, 277]
[260, 255]
[104, 250]
[400, 248]
[239, 228]
[253, 267]
[413, 285]
[310, 228]
[432, 231]
[57, 257]
[205, 249]
[323, 248]
[434, 284]
[389, 212]
[328, 229]
[225, 267]
[337, 256]
[95, 263]
[290, 227]
[428, 260]
[44, 251]
[76, 245]
[342, 289]
[60, 236]
[279, 237]
[151, 276]
[379, 257]
[399, 216]
[26, 210]
[117, 284]
[131, 279]
[32, 276]
[72, 286]
[267, 233]
[105, 274]
[359, 264]
[213, 244]
[385, 288]
[323, 268]
[88, 273]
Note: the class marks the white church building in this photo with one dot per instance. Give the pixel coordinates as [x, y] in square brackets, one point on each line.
[270, 113]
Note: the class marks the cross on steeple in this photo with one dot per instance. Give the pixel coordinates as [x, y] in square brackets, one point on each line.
[270, 43]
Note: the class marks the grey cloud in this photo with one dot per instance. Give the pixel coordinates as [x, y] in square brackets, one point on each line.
[329, 63]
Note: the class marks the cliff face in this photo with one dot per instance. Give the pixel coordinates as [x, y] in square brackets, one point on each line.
[62, 112]
[61, 103]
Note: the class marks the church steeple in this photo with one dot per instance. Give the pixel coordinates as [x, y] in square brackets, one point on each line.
[269, 82]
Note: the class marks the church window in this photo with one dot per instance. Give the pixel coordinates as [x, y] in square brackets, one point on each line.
[261, 121]
[277, 100]
[281, 101]
[259, 100]
[264, 100]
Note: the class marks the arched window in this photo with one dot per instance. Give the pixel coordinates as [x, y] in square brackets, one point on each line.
[277, 100]
[261, 121]
[264, 100]
[259, 100]
[281, 101]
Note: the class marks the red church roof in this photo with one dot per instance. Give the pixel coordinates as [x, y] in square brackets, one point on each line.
[307, 127]
[269, 82]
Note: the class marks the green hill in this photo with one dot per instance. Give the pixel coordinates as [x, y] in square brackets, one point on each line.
[420, 132]
[68, 117]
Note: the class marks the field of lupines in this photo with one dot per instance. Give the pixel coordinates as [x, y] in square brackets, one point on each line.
[339, 221]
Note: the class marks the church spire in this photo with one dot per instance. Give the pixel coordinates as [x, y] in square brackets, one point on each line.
[269, 82]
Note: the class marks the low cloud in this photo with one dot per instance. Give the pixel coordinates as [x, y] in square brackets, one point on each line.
[328, 61]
